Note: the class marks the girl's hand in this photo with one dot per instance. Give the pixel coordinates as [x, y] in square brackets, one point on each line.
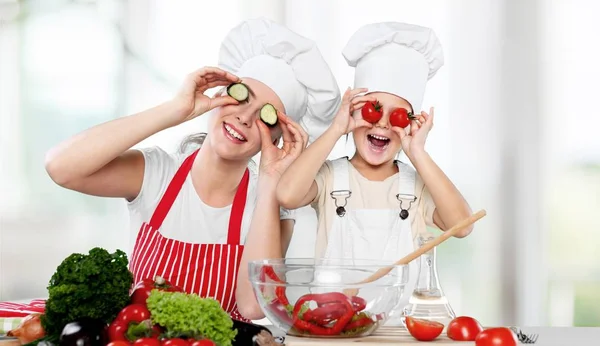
[273, 160]
[344, 122]
[191, 102]
[414, 141]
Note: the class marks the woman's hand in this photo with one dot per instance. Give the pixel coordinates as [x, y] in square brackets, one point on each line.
[274, 160]
[191, 102]
[344, 122]
[414, 141]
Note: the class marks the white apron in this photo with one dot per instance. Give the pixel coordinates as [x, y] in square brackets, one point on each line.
[374, 234]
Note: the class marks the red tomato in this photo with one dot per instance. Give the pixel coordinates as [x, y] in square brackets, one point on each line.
[142, 289]
[119, 343]
[133, 313]
[423, 330]
[147, 342]
[496, 337]
[464, 328]
[175, 342]
[371, 112]
[400, 118]
[204, 342]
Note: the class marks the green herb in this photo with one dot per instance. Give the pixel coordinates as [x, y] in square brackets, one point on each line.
[94, 286]
[189, 316]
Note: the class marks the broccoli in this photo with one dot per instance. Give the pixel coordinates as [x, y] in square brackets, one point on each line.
[94, 286]
[189, 316]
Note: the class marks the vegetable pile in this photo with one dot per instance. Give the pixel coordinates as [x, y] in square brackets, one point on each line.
[335, 314]
[94, 286]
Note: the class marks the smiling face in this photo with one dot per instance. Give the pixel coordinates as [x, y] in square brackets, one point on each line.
[379, 144]
[233, 133]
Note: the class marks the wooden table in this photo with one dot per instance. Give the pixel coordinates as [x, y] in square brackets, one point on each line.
[548, 336]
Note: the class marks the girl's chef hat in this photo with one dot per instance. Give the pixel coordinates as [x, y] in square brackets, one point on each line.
[395, 58]
[289, 64]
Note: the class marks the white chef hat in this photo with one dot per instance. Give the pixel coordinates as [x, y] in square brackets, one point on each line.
[396, 58]
[289, 64]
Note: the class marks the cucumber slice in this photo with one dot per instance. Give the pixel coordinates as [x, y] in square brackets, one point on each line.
[238, 91]
[268, 114]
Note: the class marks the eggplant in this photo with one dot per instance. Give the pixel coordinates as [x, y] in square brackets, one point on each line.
[85, 332]
[249, 334]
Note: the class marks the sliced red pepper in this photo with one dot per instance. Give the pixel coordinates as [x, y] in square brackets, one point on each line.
[279, 290]
[338, 326]
[358, 303]
[361, 322]
[325, 314]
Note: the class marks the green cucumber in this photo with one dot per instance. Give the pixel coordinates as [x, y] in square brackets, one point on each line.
[238, 91]
[268, 114]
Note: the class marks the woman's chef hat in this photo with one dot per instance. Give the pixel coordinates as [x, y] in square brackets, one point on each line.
[395, 58]
[289, 64]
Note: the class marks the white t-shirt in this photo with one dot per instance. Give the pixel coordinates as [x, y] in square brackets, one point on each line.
[190, 219]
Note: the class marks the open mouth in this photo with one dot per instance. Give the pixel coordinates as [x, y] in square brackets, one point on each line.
[233, 134]
[379, 143]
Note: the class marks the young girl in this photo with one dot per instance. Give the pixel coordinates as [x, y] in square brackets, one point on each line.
[372, 206]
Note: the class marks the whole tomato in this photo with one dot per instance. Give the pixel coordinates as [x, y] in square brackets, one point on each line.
[146, 342]
[371, 112]
[142, 290]
[496, 337]
[400, 117]
[464, 328]
[203, 342]
[174, 342]
[423, 330]
[118, 343]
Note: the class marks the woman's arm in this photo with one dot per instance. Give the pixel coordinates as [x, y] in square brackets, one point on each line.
[264, 241]
[97, 162]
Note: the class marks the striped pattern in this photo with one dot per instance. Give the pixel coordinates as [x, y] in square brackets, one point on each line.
[209, 270]
[8, 309]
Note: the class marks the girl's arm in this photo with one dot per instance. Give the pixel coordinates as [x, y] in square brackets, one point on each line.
[97, 162]
[297, 187]
[450, 205]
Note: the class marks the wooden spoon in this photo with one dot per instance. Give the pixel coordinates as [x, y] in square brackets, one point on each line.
[418, 252]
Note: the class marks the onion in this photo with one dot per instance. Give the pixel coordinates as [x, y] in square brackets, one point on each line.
[29, 330]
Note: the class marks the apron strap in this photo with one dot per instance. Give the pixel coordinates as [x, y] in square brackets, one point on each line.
[237, 211]
[167, 200]
[341, 179]
[406, 179]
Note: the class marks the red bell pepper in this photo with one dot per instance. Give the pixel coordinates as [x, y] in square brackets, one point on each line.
[132, 323]
[359, 323]
[142, 290]
[325, 314]
[338, 326]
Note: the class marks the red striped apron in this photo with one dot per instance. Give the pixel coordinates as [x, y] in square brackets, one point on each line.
[209, 270]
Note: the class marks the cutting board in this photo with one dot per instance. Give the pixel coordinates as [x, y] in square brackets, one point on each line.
[383, 336]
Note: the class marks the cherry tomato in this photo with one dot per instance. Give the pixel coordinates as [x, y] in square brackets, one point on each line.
[400, 118]
[175, 342]
[133, 313]
[371, 112]
[464, 328]
[423, 330]
[204, 342]
[147, 342]
[119, 343]
[142, 289]
[496, 337]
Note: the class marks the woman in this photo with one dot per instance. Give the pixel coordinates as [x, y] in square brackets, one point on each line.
[191, 214]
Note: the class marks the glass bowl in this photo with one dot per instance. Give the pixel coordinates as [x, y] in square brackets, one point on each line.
[309, 297]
